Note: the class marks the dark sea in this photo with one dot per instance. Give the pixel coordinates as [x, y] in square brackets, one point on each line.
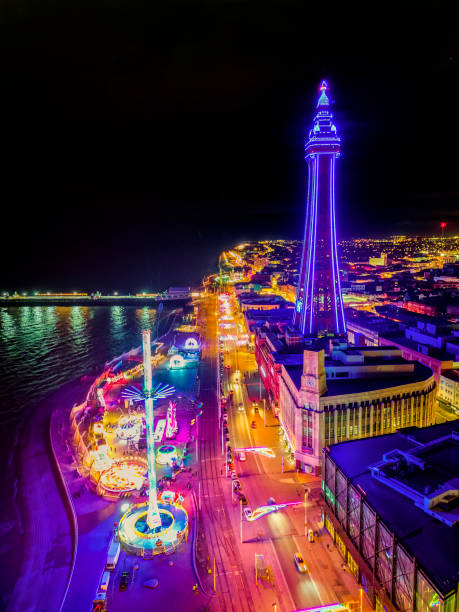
[41, 349]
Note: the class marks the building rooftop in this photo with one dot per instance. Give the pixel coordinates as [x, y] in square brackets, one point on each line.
[451, 374]
[431, 541]
[350, 386]
[402, 340]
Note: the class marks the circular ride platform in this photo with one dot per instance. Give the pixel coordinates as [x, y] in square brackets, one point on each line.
[124, 476]
[136, 537]
[166, 455]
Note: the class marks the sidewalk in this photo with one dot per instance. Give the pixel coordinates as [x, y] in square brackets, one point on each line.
[95, 518]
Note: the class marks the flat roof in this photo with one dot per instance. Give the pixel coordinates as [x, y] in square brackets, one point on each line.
[434, 353]
[434, 544]
[349, 386]
[451, 374]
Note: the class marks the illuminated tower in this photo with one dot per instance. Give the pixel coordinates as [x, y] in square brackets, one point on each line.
[151, 394]
[319, 304]
[153, 517]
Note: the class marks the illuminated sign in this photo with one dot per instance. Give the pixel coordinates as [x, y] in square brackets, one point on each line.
[265, 510]
[191, 344]
[330, 608]
[258, 450]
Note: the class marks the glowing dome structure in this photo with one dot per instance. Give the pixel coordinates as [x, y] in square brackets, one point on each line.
[166, 455]
[191, 344]
[176, 362]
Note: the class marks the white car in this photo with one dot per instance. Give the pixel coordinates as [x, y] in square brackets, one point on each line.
[299, 562]
[248, 513]
[242, 456]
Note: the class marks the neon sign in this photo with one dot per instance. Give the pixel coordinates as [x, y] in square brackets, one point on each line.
[259, 450]
[265, 510]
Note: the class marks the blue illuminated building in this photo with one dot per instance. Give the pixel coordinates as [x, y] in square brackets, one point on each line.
[319, 305]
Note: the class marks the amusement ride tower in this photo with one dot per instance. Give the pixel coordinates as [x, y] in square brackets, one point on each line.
[319, 304]
[147, 528]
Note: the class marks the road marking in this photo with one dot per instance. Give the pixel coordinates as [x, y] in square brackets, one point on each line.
[293, 606]
[310, 577]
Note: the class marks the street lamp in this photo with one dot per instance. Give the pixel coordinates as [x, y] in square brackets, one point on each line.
[256, 567]
[306, 492]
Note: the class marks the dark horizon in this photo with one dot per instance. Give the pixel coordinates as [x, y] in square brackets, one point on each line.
[143, 139]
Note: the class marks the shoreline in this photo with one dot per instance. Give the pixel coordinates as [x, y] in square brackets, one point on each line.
[31, 538]
[33, 550]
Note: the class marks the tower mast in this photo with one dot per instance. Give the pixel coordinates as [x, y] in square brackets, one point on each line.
[319, 305]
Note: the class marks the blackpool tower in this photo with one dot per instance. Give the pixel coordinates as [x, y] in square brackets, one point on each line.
[319, 302]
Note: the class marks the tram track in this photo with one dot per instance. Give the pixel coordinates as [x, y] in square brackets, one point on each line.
[232, 588]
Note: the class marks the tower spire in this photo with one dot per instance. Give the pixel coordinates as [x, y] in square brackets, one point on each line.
[323, 100]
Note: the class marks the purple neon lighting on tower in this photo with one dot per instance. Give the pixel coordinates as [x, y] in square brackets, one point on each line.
[319, 303]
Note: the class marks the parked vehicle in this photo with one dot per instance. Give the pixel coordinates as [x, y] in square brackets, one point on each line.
[243, 499]
[99, 602]
[113, 554]
[124, 582]
[242, 456]
[248, 513]
[103, 586]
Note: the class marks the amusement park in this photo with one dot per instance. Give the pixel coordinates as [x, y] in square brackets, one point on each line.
[134, 436]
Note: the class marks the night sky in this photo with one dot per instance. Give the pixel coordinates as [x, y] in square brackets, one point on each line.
[141, 138]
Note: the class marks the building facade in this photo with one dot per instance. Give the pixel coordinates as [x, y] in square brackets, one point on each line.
[448, 389]
[350, 394]
[390, 506]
